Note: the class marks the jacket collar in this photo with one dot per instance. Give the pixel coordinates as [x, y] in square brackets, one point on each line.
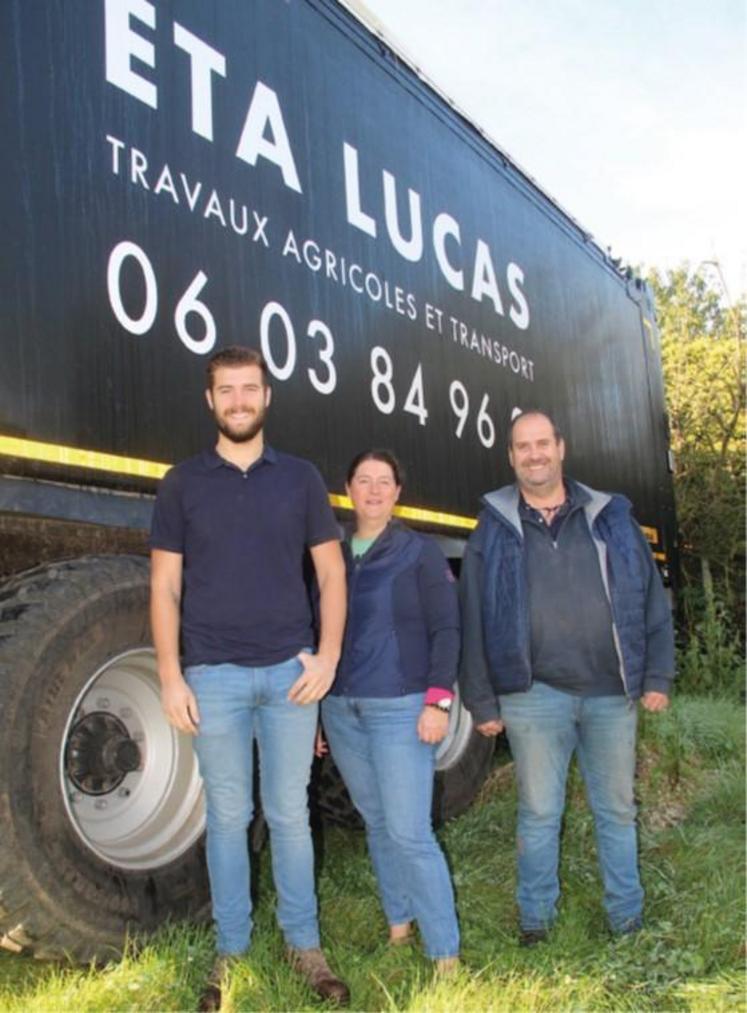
[504, 503]
[595, 503]
[382, 541]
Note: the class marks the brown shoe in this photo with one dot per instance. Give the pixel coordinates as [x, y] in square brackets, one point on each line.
[314, 969]
[211, 995]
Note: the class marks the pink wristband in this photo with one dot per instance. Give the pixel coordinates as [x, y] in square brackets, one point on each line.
[435, 694]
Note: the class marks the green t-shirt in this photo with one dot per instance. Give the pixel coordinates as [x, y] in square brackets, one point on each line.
[360, 546]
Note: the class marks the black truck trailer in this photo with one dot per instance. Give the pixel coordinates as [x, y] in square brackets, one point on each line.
[179, 175]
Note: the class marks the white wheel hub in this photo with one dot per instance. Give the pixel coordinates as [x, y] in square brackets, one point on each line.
[139, 818]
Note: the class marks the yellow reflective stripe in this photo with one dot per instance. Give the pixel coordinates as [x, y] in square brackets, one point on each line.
[436, 517]
[340, 501]
[652, 536]
[73, 457]
[415, 514]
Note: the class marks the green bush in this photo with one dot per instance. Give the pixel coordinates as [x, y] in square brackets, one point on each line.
[711, 660]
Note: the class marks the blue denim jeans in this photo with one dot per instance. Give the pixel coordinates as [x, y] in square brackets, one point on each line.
[236, 705]
[544, 727]
[389, 774]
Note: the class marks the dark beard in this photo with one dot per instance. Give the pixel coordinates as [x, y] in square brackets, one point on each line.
[244, 435]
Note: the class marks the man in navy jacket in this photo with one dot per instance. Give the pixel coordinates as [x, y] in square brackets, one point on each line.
[566, 626]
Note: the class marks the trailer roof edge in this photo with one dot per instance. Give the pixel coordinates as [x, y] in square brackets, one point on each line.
[365, 16]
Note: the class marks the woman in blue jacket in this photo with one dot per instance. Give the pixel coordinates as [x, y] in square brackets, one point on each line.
[389, 705]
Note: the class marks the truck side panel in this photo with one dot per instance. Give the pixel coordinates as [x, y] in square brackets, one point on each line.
[182, 175]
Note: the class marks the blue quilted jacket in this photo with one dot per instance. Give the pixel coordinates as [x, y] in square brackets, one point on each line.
[496, 653]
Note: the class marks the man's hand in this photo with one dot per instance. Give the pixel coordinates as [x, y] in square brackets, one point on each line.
[179, 705]
[432, 725]
[653, 701]
[315, 680]
[488, 728]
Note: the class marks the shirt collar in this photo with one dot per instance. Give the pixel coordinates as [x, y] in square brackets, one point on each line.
[527, 510]
[212, 459]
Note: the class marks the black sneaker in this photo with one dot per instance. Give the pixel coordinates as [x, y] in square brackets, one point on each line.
[629, 927]
[530, 937]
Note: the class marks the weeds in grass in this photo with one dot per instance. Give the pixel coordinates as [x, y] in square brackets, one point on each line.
[690, 955]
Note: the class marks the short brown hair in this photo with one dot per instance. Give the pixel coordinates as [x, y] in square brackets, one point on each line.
[533, 411]
[236, 355]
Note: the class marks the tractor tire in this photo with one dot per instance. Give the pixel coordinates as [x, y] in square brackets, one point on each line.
[101, 804]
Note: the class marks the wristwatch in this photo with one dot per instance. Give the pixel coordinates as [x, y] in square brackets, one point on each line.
[442, 705]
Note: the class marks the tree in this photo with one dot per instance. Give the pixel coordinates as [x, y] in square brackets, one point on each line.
[703, 338]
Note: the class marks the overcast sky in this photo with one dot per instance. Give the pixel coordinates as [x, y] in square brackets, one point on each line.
[631, 114]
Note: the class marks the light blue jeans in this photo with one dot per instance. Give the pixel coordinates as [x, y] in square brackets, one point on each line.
[389, 774]
[236, 705]
[544, 727]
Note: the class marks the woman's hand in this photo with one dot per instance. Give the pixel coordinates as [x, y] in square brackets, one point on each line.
[432, 725]
[320, 743]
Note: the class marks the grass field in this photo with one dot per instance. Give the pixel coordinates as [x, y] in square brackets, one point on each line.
[690, 955]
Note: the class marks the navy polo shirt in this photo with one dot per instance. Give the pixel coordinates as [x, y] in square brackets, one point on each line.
[243, 536]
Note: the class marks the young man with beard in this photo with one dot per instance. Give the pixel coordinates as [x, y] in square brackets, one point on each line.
[232, 627]
[566, 627]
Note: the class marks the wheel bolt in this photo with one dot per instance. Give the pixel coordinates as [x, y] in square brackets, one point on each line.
[100, 803]
[125, 713]
[103, 703]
